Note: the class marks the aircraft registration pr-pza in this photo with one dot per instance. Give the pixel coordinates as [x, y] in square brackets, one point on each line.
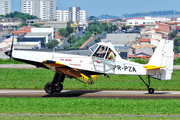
[125, 68]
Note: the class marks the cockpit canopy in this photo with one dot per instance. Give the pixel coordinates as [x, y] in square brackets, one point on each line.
[103, 50]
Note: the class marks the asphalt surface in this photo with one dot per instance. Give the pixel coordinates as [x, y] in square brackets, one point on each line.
[2, 55]
[121, 94]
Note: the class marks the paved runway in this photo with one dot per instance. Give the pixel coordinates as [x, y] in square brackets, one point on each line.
[121, 94]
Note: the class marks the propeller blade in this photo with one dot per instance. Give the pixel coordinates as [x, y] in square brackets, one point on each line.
[10, 54]
[12, 45]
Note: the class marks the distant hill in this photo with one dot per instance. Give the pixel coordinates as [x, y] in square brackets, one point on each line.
[152, 13]
[107, 16]
[172, 13]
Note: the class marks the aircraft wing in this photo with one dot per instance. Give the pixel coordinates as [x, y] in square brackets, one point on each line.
[64, 69]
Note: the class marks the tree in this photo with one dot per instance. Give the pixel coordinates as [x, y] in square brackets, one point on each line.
[52, 43]
[36, 25]
[47, 26]
[63, 32]
[92, 18]
[66, 47]
[69, 29]
[176, 49]
[173, 34]
[177, 41]
[23, 16]
[71, 39]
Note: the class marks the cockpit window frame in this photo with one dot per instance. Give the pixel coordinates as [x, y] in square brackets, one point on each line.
[93, 50]
[95, 53]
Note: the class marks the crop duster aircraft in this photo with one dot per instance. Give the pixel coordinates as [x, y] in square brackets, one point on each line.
[87, 65]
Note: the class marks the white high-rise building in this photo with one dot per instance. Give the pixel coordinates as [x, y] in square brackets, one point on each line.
[62, 15]
[47, 9]
[5, 7]
[30, 7]
[44, 9]
[74, 14]
[82, 16]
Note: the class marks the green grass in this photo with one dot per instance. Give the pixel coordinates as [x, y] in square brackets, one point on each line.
[6, 61]
[84, 118]
[37, 78]
[89, 106]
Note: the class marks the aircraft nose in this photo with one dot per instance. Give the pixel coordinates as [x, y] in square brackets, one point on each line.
[8, 53]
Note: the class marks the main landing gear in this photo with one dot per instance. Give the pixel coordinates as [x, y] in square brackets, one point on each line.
[56, 84]
[150, 90]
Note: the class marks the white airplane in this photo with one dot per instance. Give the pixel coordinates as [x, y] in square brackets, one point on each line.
[86, 65]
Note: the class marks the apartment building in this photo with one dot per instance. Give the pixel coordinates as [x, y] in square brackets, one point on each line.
[47, 9]
[74, 14]
[30, 7]
[5, 7]
[44, 9]
[62, 15]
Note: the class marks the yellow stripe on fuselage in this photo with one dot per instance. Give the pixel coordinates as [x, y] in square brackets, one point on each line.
[55, 64]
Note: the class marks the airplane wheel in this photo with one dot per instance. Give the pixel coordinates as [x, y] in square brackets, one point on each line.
[151, 90]
[59, 87]
[49, 87]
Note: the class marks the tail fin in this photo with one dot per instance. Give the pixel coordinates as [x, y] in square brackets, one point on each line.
[163, 56]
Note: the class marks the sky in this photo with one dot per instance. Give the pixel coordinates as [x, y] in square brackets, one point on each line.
[112, 7]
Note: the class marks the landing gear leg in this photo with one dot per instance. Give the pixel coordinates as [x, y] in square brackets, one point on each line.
[150, 90]
[56, 84]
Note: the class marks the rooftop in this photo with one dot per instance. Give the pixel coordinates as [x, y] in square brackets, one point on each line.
[38, 34]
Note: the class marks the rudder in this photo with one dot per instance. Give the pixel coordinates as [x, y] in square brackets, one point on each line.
[163, 56]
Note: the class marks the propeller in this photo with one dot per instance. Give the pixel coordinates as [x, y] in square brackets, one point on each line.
[9, 53]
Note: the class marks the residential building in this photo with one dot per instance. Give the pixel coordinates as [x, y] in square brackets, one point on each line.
[23, 31]
[30, 7]
[62, 15]
[44, 9]
[139, 21]
[10, 26]
[82, 16]
[74, 14]
[5, 7]
[32, 21]
[149, 22]
[47, 9]
[144, 51]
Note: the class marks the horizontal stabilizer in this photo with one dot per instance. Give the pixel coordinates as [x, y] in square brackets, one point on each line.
[153, 67]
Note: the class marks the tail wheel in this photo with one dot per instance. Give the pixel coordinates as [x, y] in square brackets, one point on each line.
[49, 87]
[151, 90]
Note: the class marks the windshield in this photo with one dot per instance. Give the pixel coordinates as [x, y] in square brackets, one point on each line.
[94, 47]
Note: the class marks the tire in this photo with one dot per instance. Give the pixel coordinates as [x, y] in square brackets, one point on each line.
[151, 90]
[59, 87]
[49, 87]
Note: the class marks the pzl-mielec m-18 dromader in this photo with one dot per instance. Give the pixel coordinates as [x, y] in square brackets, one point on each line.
[86, 65]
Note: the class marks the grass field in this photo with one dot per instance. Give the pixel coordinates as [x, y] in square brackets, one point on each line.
[89, 106]
[84, 118]
[6, 61]
[37, 78]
